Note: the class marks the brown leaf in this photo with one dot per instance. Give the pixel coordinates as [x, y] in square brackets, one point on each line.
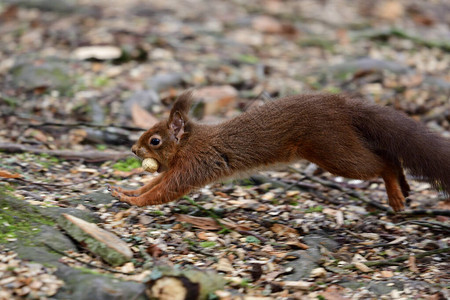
[334, 292]
[203, 236]
[200, 222]
[217, 99]
[125, 174]
[6, 174]
[237, 227]
[9, 13]
[36, 134]
[412, 264]
[284, 230]
[210, 223]
[390, 10]
[141, 117]
[76, 136]
[154, 251]
[267, 24]
[297, 244]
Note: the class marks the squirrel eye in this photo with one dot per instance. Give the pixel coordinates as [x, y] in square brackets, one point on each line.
[155, 141]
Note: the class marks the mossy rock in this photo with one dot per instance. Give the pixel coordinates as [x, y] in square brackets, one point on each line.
[51, 74]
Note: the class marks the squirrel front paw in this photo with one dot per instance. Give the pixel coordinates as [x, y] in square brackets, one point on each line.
[124, 198]
[120, 190]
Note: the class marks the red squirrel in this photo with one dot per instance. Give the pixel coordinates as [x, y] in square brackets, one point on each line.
[345, 136]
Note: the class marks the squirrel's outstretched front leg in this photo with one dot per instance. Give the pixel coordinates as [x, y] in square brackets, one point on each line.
[171, 186]
[117, 190]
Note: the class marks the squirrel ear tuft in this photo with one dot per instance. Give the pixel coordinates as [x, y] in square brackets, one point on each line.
[183, 103]
[179, 114]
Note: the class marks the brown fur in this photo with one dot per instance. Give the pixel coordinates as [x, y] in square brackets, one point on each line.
[347, 137]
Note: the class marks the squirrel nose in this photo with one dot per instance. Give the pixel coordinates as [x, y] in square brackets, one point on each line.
[134, 149]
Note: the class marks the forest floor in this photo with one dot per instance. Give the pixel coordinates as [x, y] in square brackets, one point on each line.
[69, 114]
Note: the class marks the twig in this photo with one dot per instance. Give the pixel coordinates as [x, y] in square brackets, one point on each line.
[399, 258]
[388, 210]
[395, 32]
[22, 180]
[345, 190]
[429, 212]
[88, 156]
[81, 124]
[87, 263]
[432, 224]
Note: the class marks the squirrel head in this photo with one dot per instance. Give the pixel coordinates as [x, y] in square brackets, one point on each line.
[162, 141]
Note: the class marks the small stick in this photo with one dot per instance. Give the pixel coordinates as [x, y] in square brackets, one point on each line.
[399, 258]
[345, 190]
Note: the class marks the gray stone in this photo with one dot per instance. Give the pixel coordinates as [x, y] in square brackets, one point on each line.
[163, 81]
[309, 259]
[315, 240]
[354, 285]
[52, 74]
[382, 288]
[144, 98]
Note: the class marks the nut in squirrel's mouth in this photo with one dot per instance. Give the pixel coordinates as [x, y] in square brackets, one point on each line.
[151, 165]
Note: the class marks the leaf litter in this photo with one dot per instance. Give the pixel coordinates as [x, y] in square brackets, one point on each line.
[248, 229]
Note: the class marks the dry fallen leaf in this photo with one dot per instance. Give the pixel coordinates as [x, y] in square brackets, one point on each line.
[154, 251]
[210, 223]
[6, 174]
[141, 117]
[297, 244]
[284, 230]
[412, 264]
[334, 292]
[200, 222]
[125, 174]
[362, 267]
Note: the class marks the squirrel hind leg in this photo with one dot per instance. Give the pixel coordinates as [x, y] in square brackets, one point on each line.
[404, 186]
[396, 187]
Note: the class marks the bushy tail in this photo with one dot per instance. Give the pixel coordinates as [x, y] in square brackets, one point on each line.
[393, 135]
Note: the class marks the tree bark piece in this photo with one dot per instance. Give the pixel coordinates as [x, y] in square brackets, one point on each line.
[99, 241]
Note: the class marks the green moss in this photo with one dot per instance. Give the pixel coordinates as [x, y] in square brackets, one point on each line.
[207, 244]
[252, 239]
[10, 101]
[318, 208]
[127, 165]
[16, 223]
[156, 213]
[100, 81]
[317, 42]
[245, 282]
[247, 59]
[333, 90]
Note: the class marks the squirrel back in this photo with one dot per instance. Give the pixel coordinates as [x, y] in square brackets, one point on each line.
[345, 136]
